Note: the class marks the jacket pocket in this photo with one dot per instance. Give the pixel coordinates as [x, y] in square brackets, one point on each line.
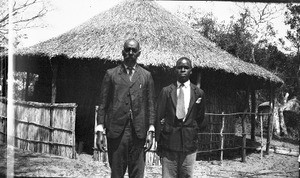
[190, 137]
[167, 128]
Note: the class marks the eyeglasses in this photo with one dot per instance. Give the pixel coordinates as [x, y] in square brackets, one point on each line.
[180, 67]
[131, 49]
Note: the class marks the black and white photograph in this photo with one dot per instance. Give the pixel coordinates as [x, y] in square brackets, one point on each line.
[149, 88]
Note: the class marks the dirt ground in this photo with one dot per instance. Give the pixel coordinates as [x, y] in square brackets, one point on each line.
[30, 164]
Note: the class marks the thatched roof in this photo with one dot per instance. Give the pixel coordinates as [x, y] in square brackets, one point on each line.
[163, 38]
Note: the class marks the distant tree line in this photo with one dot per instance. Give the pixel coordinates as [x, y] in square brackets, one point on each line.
[249, 37]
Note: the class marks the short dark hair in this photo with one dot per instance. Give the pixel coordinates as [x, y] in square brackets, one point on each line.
[185, 58]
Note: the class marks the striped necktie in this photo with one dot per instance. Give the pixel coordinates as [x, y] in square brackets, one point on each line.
[130, 69]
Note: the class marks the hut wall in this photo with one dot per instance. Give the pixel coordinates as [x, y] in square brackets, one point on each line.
[222, 96]
[83, 88]
[45, 128]
[79, 81]
[218, 102]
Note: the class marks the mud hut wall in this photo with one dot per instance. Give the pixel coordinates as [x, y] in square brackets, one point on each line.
[216, 103]
[79, 81]
[221, 97]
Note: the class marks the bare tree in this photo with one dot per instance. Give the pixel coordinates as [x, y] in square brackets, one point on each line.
[293, 20]
[257, 20]
[25, 14]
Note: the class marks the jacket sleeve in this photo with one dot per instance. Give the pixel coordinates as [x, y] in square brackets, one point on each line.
[151, 99]
[104, 101]
[201, 111]
[160, 112]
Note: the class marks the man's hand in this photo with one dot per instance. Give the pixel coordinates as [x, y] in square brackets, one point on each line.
[100, 142]
[149, 141]
[162, 122]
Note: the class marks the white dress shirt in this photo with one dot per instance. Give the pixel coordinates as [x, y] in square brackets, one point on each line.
[133, 69]
[187, 94]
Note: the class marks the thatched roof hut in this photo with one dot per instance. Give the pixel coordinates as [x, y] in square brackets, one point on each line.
[71, 66]
[163, 37]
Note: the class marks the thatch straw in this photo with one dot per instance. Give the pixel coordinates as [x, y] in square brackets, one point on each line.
[163, 37]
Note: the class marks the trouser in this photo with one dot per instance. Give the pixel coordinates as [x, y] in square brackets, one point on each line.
[177, 164]
[126, 151]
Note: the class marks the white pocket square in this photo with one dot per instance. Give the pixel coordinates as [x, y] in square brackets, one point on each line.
[198, 100]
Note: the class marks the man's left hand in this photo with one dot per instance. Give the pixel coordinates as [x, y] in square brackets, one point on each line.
[149, 141]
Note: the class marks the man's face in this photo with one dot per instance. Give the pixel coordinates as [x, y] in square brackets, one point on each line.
[131, 51]
[183, 70]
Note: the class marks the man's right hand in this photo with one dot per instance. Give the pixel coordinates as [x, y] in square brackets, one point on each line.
[100, 142]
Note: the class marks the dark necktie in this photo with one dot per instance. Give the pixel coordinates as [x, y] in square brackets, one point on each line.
[180, 108]
[130, 69]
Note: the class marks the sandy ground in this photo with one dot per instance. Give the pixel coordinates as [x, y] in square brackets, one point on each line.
[43, 165]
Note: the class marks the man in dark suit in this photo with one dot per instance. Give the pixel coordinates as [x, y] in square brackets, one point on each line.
[127, 112]
[180, 112]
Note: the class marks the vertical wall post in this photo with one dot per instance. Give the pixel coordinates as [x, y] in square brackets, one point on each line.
[54, 68]
[253, 111]
[27, 85]
[244, 138]
[261, 135]
[211, 136]
[244, 134]
[53, 83]
[270, 120]
[4, 72]
[222, 138]
[73, 118]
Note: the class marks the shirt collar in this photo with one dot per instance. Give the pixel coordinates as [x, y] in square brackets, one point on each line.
[133, 68]
[186, 84]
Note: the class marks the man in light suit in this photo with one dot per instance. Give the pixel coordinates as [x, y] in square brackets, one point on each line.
[180, 112]
[127, 112]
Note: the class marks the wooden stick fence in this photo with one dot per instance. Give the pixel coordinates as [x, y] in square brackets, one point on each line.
[244, 133]
[261, 136]
[36, 122]
[3, 120]
[153, 159]
[222, 137]
[3, 127]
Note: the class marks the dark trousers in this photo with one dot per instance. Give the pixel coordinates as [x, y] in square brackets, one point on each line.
[178, 164]
[126, 151]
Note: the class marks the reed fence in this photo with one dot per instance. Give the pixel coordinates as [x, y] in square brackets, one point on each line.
[216, 140]
[43, 127]
[3, 120]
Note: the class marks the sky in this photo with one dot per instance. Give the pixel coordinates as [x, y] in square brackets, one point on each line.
[67, 14]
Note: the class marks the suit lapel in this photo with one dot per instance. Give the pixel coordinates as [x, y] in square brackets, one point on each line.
[192, 99]
[136, 74]
[174, 94]
[123, 74]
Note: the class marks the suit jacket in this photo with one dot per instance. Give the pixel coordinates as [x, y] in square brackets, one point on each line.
[122, 99]
[176, 135]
